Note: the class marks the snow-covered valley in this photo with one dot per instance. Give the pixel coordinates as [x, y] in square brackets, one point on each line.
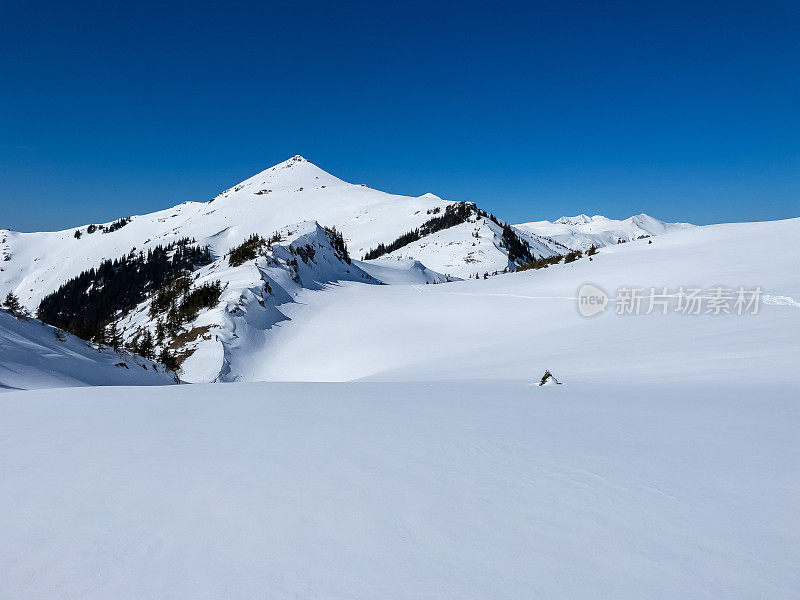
[381, 432]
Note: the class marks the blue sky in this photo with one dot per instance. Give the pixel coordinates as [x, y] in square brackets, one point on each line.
[686, 111]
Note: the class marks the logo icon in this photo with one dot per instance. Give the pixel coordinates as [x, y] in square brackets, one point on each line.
[591, 300]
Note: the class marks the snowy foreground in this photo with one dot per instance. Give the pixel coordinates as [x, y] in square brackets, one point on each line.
[401, 490]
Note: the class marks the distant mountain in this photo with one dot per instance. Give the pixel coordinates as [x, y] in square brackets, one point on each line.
[581, 232]
[577, 220]
[34, 355]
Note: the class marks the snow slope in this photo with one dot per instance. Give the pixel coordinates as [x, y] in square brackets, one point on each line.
[32, 356]
[582, 231]
[469, 490]
[517, 325]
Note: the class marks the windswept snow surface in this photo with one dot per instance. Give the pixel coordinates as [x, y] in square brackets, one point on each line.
[401, 490]
[31, 356]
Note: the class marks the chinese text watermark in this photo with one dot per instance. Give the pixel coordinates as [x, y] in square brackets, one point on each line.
[714, 301]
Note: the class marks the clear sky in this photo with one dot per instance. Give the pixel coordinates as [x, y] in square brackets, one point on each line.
[684, 110]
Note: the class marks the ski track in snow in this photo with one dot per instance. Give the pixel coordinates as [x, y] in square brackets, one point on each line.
[523, 296]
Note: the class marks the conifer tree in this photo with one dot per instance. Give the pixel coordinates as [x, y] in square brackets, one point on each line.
[100, 337]
[168, 359]
[161, 332]
[146, 345]
[12, 304]
[113, 337]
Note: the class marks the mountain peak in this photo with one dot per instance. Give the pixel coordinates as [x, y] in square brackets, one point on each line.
[296, 161]
[294, 174]
[289, 162]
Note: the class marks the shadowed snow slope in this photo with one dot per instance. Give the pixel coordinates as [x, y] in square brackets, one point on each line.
[517, 325]
[31, 356]
[469, 490]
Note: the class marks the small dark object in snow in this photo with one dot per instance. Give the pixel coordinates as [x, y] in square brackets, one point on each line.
[548, 376]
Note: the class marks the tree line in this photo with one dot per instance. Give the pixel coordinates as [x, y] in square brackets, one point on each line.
[454, 214]
[85, 304]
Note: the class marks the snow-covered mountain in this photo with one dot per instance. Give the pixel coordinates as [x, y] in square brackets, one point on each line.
[581, 232]
[34, 355]
[34, 264]
[301, 217]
